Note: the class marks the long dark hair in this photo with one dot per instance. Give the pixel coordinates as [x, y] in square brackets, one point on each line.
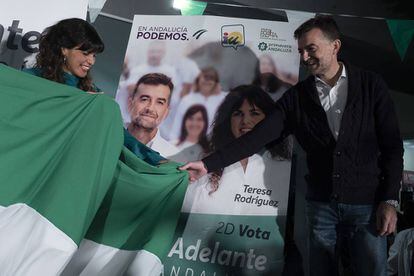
[68, 33]
[203, 135]
[222, 134]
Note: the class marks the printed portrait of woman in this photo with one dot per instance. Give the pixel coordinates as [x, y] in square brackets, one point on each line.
[192, 143]
[206, 91]
[257, 185]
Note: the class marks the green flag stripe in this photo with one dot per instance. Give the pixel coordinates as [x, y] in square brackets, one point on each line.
[131, 191]
[63, 155]
[59, 149]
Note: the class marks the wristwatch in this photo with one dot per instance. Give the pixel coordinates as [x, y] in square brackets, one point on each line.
[392, 202]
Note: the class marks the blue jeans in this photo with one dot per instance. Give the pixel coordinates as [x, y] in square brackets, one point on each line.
[334, 227]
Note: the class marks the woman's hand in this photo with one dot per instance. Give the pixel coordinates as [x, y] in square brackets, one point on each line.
[195, 170]
[93, 92]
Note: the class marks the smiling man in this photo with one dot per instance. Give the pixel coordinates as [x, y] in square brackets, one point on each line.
[344, 119]
[149, 106]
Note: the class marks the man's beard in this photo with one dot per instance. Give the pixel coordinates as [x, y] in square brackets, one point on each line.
[142, 124]
[311, 64]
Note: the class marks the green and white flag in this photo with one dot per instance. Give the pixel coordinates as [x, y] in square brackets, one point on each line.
[66, 179]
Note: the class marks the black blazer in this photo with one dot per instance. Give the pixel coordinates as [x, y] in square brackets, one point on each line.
[363, 166]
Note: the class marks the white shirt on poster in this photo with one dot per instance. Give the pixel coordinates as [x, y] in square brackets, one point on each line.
[162, 146]
[190, 151]
[256, 191]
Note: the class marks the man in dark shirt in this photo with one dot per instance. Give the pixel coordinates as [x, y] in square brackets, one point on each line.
[344, 119]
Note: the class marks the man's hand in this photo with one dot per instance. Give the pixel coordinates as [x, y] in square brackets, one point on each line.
[195, 169]
[386, 219]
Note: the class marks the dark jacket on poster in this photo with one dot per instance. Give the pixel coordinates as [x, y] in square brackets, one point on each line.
[363, 166]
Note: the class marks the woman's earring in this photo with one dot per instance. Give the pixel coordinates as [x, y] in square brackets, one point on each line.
[64, 59]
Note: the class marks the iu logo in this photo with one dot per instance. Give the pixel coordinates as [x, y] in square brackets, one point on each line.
[232, 36]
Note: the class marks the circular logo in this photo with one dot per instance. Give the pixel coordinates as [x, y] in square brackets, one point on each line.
[262, 46]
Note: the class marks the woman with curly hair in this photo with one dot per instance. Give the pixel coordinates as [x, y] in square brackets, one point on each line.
[253, 191]
[226, 191]
[67, 52]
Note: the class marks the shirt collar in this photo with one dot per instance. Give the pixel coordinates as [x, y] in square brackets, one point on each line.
[342, 76]
[150, 144]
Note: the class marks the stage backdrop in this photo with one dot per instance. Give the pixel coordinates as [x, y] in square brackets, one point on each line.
[22, 21]
[239, 228]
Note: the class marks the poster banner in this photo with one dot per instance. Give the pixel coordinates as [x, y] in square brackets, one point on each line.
[233, 221]
[22, 21]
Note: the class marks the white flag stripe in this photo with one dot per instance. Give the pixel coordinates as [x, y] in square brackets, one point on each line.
[43, 249]
[97, 259]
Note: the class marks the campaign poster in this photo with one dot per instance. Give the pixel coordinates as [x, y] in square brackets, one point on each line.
[233, 221]
[22, 22]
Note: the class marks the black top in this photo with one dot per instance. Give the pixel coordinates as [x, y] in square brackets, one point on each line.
[363, 166]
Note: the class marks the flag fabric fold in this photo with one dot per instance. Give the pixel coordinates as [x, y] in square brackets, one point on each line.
[66, 179]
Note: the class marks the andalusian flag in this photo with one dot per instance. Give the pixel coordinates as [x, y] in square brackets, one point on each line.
[67, 180]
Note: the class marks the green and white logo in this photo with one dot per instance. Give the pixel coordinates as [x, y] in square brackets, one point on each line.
[262, 46]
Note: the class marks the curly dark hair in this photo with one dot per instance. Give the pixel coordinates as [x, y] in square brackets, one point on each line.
[222, 135]
[67, 33]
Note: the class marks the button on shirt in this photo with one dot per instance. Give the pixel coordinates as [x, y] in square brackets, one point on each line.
[333, 100]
